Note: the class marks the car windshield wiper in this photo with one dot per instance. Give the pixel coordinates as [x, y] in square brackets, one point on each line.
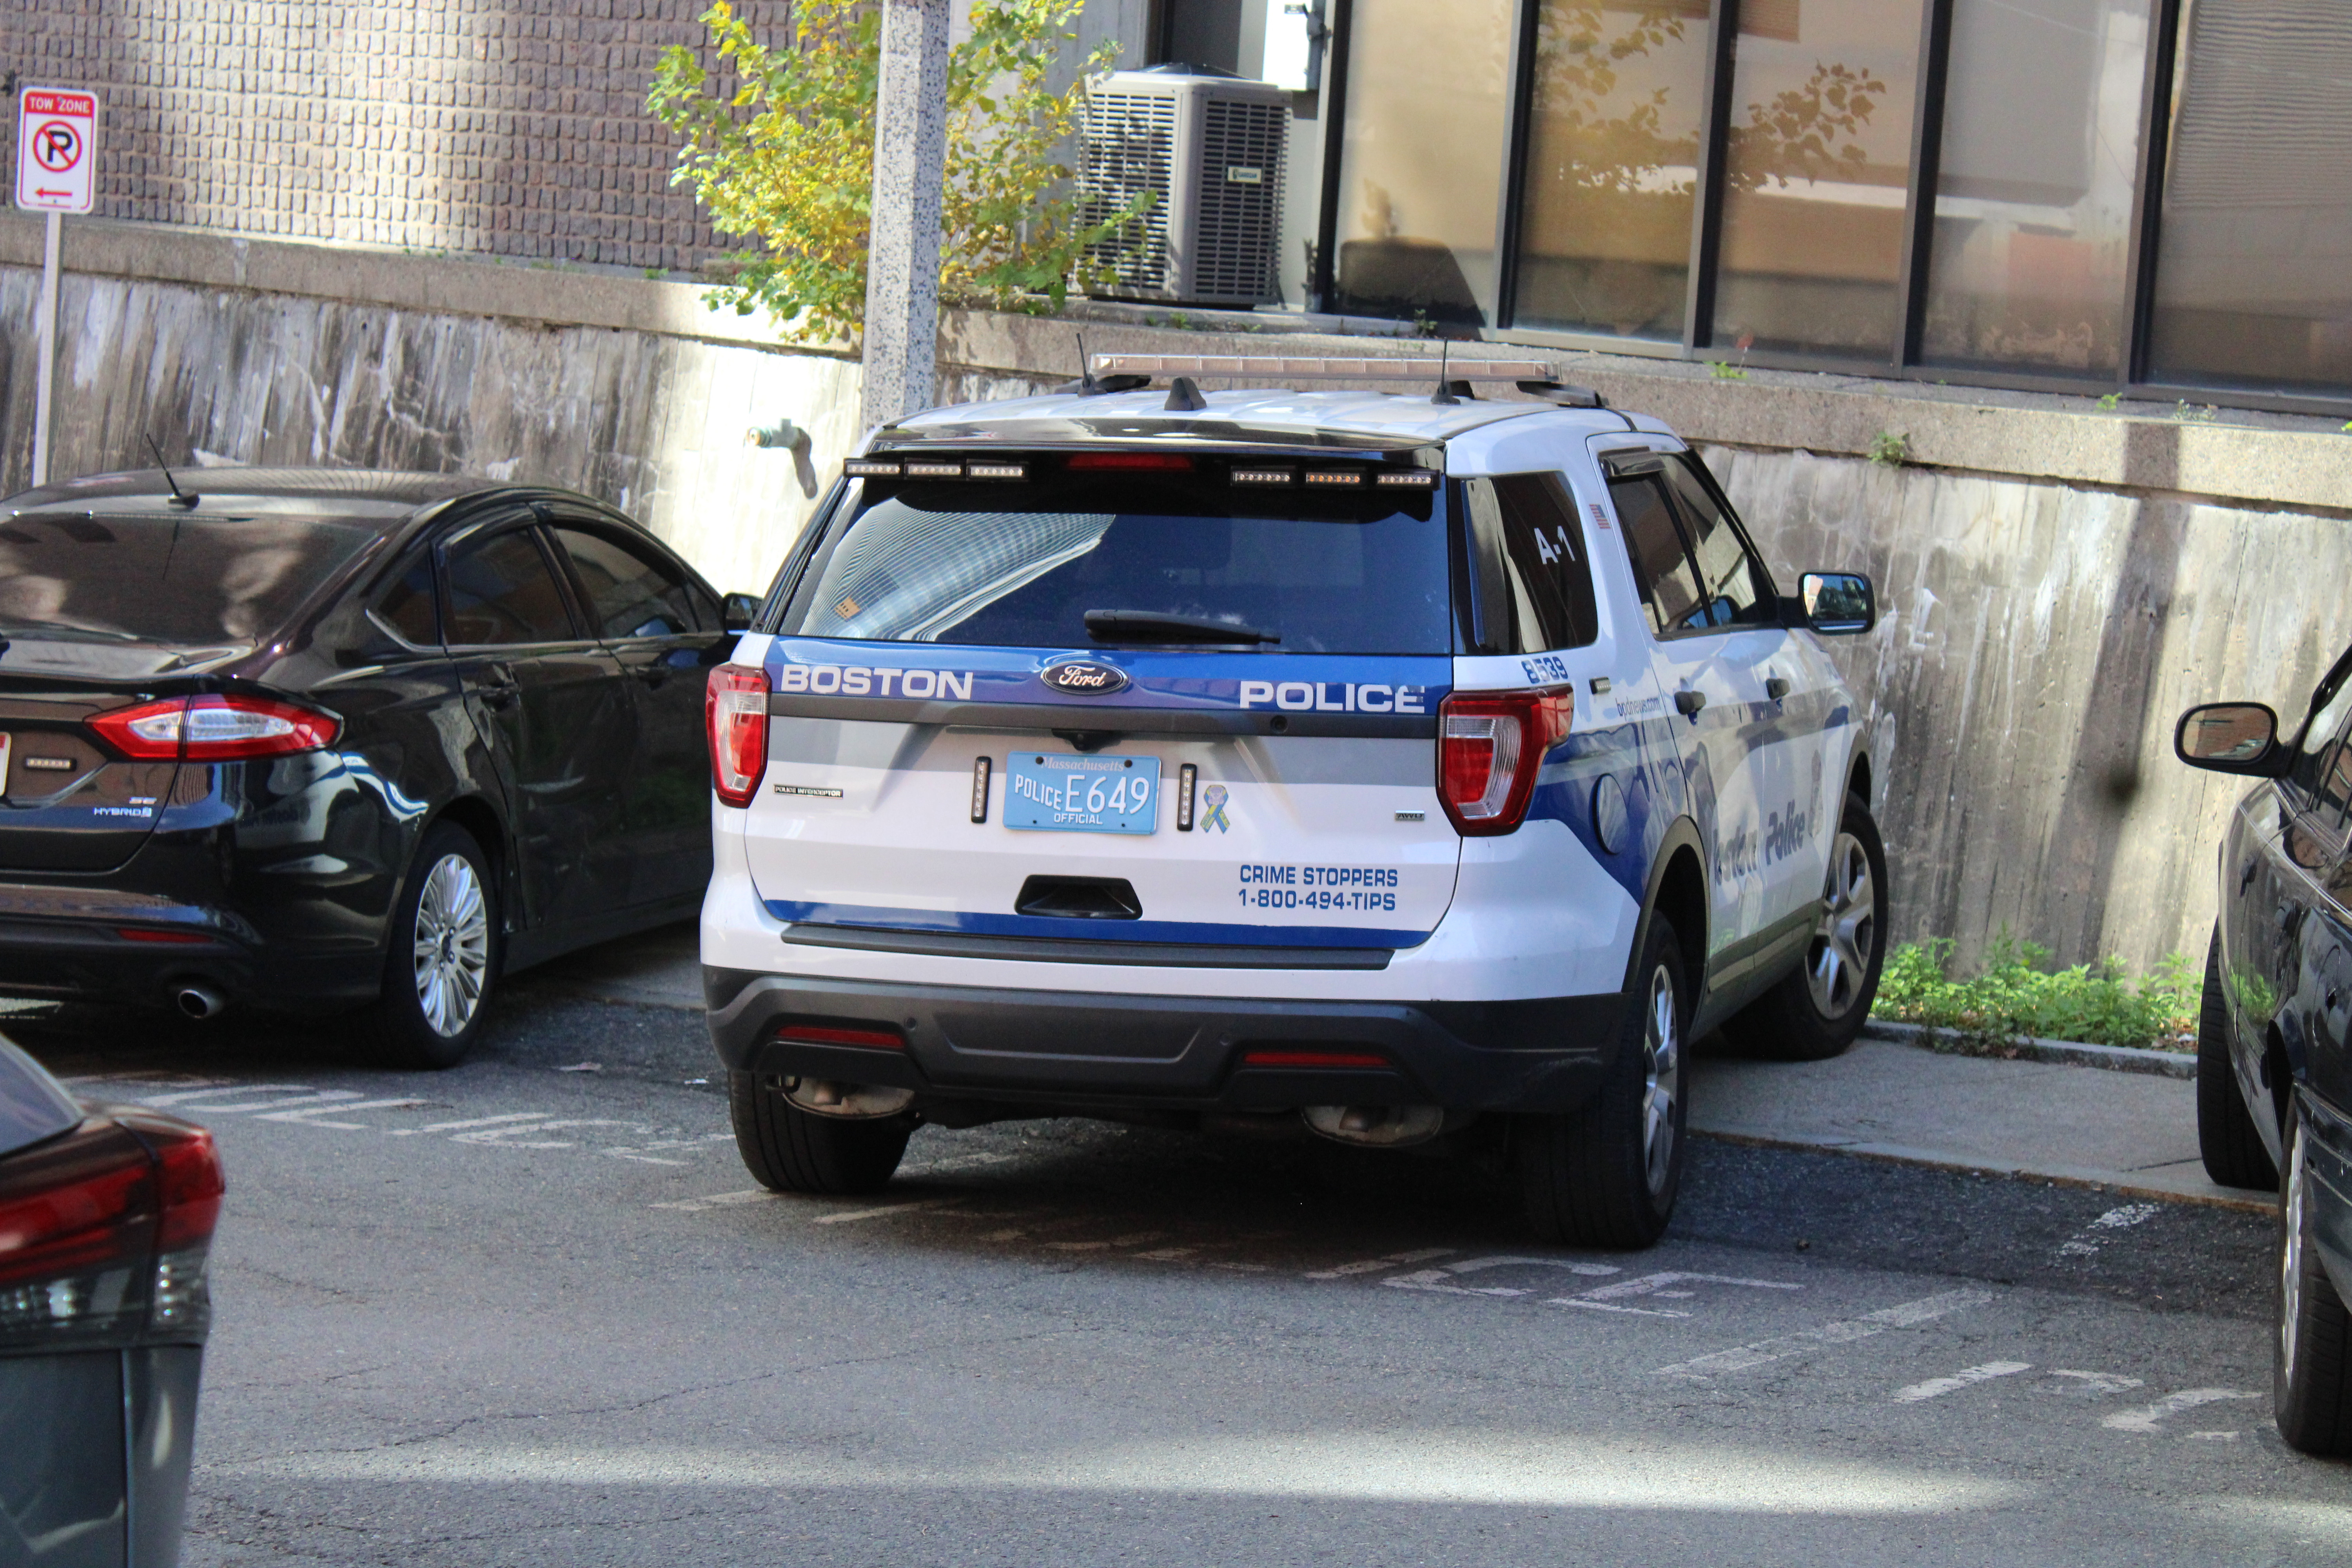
[1151, 626]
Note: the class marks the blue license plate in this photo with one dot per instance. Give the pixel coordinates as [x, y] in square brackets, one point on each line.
[1082, 794]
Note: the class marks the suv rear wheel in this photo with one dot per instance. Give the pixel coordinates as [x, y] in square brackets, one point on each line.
[1815, 1011]
[789, 1150]
[443, 955]
[1606, 1174]
[2226, 1134]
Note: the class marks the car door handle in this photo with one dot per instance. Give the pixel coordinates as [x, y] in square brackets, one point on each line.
[1775, 687]
[1690, 702]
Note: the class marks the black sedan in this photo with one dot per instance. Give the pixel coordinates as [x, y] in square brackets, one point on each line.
[332, 740]
[2274, 1049]
[106, 1216]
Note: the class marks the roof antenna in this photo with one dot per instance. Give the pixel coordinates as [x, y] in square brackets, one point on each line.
[1442, 397]
[1087, 385]
[180, 498]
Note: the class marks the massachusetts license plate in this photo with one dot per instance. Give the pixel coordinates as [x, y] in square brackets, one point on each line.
[1082, 794]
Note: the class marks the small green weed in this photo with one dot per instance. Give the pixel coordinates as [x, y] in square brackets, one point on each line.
[1891, 448]
[2018, 995]
[1724, 370]
[2111, 400]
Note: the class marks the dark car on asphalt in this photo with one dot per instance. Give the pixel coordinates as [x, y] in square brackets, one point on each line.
[2274, 1041]
[106, 1216]
[330, 740]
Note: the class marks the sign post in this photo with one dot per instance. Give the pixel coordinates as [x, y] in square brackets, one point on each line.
[56, 148]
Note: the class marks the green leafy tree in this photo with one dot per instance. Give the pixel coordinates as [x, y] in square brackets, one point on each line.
[787, 156]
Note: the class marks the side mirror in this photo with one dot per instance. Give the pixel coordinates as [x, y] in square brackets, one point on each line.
[2230, 737]
[1837, 603]
[737, 611]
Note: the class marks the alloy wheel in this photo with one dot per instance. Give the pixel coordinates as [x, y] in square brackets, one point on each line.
[1838, 963]
[2290, 1257]
[452, 947]
[1662, 1079]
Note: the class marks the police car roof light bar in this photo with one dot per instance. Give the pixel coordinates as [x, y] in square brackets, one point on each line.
[1264, 370]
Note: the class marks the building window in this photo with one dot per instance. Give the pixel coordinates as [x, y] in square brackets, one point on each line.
[1816, 174]
[1616, 111]
[2033, 187]
[2253, 276]
[1422, 158]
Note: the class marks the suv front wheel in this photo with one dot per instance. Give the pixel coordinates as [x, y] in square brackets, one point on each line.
[1815, 1011]
[1606, 1174]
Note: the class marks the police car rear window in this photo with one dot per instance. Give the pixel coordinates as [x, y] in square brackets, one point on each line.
[1157, 558]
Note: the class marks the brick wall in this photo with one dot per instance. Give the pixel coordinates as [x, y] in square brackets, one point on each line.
[513, 128]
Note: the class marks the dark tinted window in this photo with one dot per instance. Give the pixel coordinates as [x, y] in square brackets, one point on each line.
[1662, 568]
[185, 578]
[408, 606]
[1535, 584]
[1733, 584]
[2320, 737]
[500, 590]
[631, 593]
[32, 1106]
[1020, 565]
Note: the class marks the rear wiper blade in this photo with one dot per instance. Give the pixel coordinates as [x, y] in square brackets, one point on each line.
[1151, 626]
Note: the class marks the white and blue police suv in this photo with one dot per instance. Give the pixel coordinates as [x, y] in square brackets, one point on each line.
[1407, 768]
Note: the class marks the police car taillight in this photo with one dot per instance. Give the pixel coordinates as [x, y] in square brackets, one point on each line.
[1490, 746]
[735, 712]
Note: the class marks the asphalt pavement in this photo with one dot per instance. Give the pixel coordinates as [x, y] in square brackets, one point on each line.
[533, 1311]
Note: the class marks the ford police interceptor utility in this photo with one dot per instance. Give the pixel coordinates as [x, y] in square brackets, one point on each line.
[1407, 767]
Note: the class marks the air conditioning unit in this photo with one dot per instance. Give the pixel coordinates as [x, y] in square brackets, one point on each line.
[1207, 146]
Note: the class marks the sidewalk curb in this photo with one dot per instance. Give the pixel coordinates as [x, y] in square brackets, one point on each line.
[2064, 1176]
[2059, 1053]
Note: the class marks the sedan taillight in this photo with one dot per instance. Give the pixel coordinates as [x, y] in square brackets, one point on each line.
[735, 712]
[215, 728]
[1490, 746]
[103, 1232]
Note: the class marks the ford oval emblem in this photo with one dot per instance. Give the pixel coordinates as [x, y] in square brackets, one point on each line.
[1083, 677]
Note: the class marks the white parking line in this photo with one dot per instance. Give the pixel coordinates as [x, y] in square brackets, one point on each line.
[1607, 1298]
[513, 1137]
[1936, 1388]
[310, 1116]
[2096, 1384]
[186, 1099]
[1374, 1264]
[1739, 1358]
[2123, 1218]
[718, 1200]
[888, 1209]
[1433, 1280]
[2145, 1418]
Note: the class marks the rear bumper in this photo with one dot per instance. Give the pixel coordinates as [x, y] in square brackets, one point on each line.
[84, 944]
[1080, 1051]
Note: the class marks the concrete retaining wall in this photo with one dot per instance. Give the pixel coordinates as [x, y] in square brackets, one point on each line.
[2059, 580]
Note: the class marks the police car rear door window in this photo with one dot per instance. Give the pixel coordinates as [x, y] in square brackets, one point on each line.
[1662, 566]
[1361, 571]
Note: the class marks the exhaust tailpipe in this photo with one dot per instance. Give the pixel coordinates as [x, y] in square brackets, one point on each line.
[1376, 1126]
[200, 1001]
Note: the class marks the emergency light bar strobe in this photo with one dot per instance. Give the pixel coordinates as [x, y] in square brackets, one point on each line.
[1276, 370]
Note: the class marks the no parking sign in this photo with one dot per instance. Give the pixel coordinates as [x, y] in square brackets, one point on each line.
[57, 147]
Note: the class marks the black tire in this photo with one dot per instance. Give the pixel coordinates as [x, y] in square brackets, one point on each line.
[788, 1150]
[1817, 1010]
[434, 1004]
[2226, 1134]
[1599, 1176]
[2311, 1380]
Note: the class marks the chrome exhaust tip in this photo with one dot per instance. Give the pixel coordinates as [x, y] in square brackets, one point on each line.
[200, 1001]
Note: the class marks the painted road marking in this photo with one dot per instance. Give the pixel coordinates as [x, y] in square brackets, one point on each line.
[2122, 1218]
[2093, 1385]
[2145, 1418]
[312, 1115]
[1374, 1264]
[1160, 1255]
[856, 1214]
[187, 1101]
[1609, 1298]
[1434, 1280]
[513, 1137]
[475, 1121]
[1936, 1388]
[954, 1162]
[1739, 1358]
[718, 1200]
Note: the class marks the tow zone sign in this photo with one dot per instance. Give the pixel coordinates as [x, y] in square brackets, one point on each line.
[56, 148]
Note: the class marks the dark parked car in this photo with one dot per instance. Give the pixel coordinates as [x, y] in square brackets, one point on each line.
[2273, 1079]
[325, 741]
[106, 1215]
